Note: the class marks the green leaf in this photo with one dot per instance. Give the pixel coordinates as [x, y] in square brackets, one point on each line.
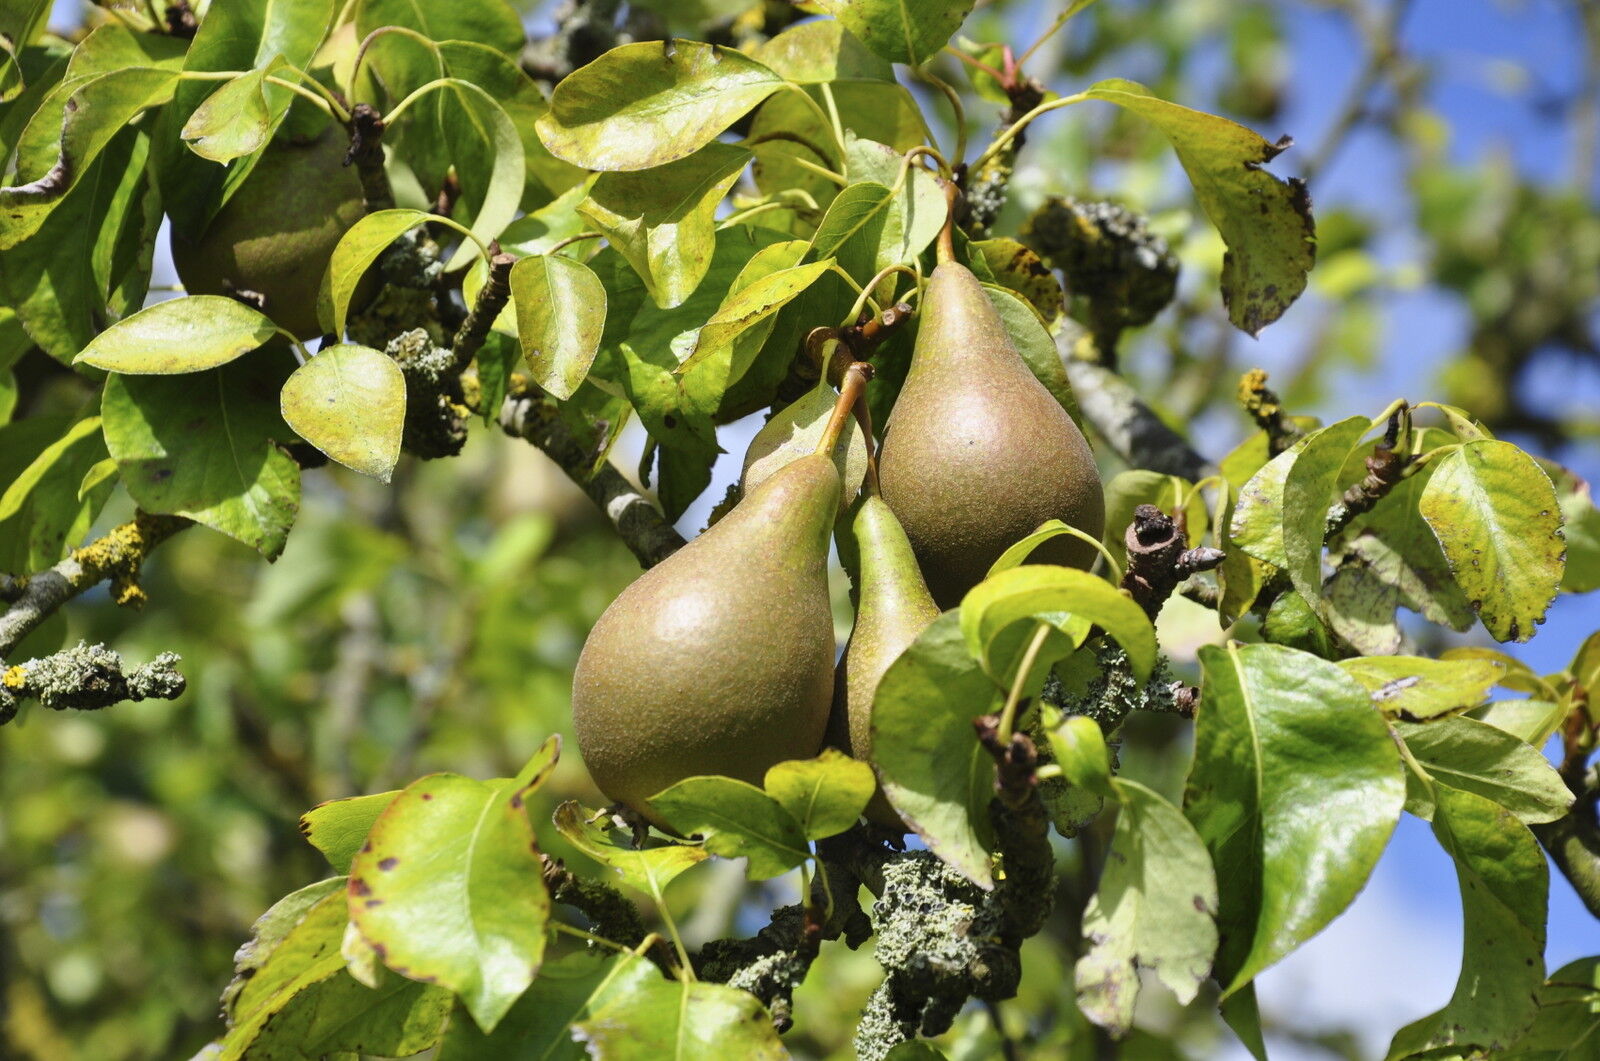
[486, 152]
[1257, 525]
[1476, 757]
[243, 35]
[304, 950]
[1240, 1012]
[737, 820]
[1060, 596]
[73, 125]
[1154, 909]
[179, 336]
[821, 51]
[869, 109]
[1016, 554]
[561, 315]
[663, 220]
[917, 213]
[752, 307]
[1079, 748]
[1309, 488]
[856, 230]
[356, 251]
[901, 31]
[235, 119]
[1020, 269]
[1531, 721]
[1568, 1021]
[1495, 514]
[1400, 561]
[795, 431]
[341, 1015]
[1580, 527]
[490, 22]
[826, 794]
[338, 827]
[539, 1024]
[1295, 788]
[448, 885]
[1266, 223]
[638, 1014]
[1504, 884]
[89, 261]
[646, 870]
[349, 402]
[205, 446]
[934, 772]
[1417, 689]
[650, 103]
[44, 509]
[20, 25]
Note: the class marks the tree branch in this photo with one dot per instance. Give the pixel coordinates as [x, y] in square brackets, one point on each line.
[1129, 426]
[643, 528]
[116, 556]
[87, 678]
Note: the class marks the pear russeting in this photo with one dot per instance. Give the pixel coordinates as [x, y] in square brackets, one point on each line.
[275, 235]
[719, 660]
[895, 606]
[977, 453]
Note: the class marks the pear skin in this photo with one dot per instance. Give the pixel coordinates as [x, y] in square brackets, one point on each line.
[976, 453]
[895, 606]
[718, 660]
[275, 236]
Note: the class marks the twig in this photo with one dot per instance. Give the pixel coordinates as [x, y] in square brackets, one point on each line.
[116, 556]
[1265, 408]
[1158, 558]
[366, 154]
[1573, 841]
[486, 307]
[87, 678]
[1129, 426]
[642, 526]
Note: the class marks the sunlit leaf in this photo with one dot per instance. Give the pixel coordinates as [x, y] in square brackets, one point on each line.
[449, 886]
[1265, 222]
[338, 827]
[561, 314]
[737, 820]
[178, 336]
[646, 870]
[349, 402]
[1295, 789]
[1416, 689]
[826, 794]
[1504, 885]
[650, 103]
[638, 1013]
[1477, 757]
[934, 772]
[900, 30]
[1496, 517]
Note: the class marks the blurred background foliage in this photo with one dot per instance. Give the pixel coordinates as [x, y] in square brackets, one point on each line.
[433, 625]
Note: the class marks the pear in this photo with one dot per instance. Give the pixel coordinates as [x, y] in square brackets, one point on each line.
[895, 606]
[976, 453]
[275, 235]
[718, 660]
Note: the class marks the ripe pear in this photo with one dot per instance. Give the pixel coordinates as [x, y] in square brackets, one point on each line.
[976, 453]
[895, 606]
[718, 660]
[277, 232]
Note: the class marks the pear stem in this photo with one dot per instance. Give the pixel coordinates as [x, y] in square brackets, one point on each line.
[864, 417]
[853, 387]
[947, 239]
[1008, 714]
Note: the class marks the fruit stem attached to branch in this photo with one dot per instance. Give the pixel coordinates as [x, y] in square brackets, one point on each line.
[850, 391]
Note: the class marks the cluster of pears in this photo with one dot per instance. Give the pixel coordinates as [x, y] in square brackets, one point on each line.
[721, 659]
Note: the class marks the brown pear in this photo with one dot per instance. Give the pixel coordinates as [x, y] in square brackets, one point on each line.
[895, 606]
[275, 235]
[718, 660]
[976, 452]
